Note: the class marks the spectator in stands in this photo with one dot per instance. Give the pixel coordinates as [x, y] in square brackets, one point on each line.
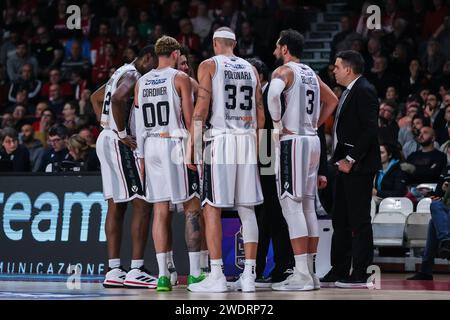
[445, 148]
[434, 59]
[390, 180]
[58, 151]
[247, 45]
[145, 27]
[187, 37]
[13, 156]
[341, 39]
[435, 18]
[99, 43]
[78, 83]
[28, 82]
[431, 109]
[438, 238]
[104, 63]
[49, 53]
[442, 130]
[34, 146]
[413, 145]
[399, 63]
[121, 22]
[129, 54]
[202, 22]
[131, 39]
[55, 78]
[426, 165]
[7, 120]
[8, 48]
[415, 79]
[392, 94]
[83, 155]
[43, 124]
[19, 114]
[75, 61]
[70, 115]
[387, 126]
[4, 88]
[405, 133]
[56, 100]
[17, 61]
[87, 135]
[381, 77]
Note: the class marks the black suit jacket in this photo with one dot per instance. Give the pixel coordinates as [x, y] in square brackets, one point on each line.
[357, 129]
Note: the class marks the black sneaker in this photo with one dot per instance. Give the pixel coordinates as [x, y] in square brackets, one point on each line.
[421, 276]
[262, 282]
[444, 249]
[353, 282]
[329, 280]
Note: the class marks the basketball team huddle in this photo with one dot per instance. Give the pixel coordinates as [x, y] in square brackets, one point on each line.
[171, 142]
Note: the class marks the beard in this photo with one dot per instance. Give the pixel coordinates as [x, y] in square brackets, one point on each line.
[278, 62]
[426, 143]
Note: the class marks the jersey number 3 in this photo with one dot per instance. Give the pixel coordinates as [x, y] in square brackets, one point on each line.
[232, 91]
[310, 106]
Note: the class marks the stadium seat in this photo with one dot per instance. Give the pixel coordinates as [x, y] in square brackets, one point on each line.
[424, 205]
[400, 205]
[373, 209]
[388, 229]
[417, 225]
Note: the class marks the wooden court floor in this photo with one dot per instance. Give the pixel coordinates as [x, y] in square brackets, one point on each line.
[393, 286]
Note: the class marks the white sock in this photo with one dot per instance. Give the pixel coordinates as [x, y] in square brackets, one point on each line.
[204, 259]
[114, 263]
[169, 257]
[250, 267]
[310, 259]
[301, 263]
[136, 264]
[216, 268]
[194, 264]
[162, 264]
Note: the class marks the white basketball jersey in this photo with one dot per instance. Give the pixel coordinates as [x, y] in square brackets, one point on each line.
[160, 104]
[233, 94]
[302, 101]
[107, 118]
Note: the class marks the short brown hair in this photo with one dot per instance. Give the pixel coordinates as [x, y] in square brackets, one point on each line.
[166, 45]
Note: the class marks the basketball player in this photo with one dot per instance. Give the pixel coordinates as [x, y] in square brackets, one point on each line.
[121, 178]
[299, 152]
[237, 111]
[163, 99]
[183, 65]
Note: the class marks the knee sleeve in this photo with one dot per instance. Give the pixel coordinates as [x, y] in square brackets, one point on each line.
[295, 218]
[309, 209]
[249, 224]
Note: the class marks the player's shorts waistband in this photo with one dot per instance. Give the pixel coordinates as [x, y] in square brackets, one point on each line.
[212, 133]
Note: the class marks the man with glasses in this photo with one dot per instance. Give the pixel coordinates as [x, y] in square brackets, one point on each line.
[57, 151]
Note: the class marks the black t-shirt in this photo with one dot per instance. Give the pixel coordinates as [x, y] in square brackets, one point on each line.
[18, 161]
[429, 166]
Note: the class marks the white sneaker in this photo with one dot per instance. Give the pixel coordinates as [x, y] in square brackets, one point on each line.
[210, 284]
[245, 283]
[114, 278]
[173, 276]
[316, 281]
[140, 278]
[295, 282]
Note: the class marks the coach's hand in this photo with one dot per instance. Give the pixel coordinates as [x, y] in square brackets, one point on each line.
[130, 142]
[322, 182]
[344, 166]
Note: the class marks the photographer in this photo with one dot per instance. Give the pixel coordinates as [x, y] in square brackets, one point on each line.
[85, 157]
[438, 239]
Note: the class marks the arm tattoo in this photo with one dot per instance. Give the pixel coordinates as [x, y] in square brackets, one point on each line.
[203, 88]
[192, 230]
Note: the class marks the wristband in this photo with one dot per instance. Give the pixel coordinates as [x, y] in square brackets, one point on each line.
[122, 134]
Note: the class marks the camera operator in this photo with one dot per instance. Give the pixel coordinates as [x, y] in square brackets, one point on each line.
[438, 239]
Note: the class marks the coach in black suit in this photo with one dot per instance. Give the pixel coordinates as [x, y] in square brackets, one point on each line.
[357, 157]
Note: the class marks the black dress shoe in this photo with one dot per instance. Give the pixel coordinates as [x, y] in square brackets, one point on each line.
[353, 282]
[329, 280]
[421, 276]
[444, 249]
